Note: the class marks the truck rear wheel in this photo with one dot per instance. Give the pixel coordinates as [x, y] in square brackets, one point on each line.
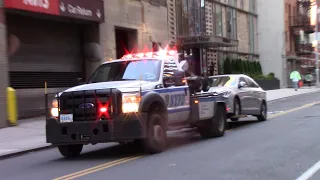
[156, 140]
[70, 151]
[214, 127]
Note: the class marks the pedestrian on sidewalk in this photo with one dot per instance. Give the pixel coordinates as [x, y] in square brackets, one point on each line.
[309, 78]
[295, 77]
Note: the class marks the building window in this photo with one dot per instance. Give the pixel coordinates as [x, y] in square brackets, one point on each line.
[231, 23]
[185, 22]
[233, 3]
[179, 17]
[252, 5]
[251, 33]
[242, 4]
[234, 24]
[218, 18]
[228, 22]
[190, 16]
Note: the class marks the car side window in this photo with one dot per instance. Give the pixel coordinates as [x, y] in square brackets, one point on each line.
[252, 84]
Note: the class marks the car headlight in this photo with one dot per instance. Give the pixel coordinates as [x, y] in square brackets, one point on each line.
[54, 108]
[130, 103]
[225, 93]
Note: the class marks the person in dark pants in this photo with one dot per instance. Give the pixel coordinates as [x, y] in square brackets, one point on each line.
[308, 78]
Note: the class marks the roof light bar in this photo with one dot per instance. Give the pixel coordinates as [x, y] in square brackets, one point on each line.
[158, 54]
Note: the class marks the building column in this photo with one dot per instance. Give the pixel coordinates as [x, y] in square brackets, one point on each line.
[3, 70]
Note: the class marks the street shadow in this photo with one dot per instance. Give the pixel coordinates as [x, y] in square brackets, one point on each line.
[177, 139]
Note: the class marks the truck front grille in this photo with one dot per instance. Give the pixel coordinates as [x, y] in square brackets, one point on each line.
[86, 105]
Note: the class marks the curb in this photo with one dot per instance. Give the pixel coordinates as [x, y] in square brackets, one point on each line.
[19, 153]
[287, 97]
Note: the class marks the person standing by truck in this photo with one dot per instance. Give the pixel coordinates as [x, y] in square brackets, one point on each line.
[295, 77]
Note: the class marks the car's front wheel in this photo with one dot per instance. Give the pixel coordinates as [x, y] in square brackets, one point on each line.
[263, 112]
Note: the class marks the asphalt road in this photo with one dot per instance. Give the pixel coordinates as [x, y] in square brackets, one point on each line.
[282, 148]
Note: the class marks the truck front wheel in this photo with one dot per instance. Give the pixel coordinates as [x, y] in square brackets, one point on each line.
[156, 140]
[70, 151]
[214, 127]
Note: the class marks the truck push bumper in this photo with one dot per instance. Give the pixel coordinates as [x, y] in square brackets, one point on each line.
[121, 128]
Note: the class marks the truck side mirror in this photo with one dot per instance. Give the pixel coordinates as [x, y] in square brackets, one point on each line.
[184, 65]
[178, 78]
[80, 81]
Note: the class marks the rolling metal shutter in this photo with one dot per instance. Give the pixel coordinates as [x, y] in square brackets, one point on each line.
[49, 51]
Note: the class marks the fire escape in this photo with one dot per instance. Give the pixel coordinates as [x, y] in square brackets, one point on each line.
[301, 23]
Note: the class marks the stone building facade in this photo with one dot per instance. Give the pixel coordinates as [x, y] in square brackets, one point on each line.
[68, 41]
[234, 20]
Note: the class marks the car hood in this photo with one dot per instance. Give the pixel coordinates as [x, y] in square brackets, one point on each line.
[123, 86]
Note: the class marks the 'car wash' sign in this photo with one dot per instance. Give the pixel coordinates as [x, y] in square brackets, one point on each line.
[92, 10]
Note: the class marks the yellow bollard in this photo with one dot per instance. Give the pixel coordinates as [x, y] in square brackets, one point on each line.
[12, 106]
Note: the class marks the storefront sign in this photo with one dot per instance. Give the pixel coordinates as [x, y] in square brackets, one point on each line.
[208, 41]
[196, 39]
[40, 6]
[92, 10]
[83, 9]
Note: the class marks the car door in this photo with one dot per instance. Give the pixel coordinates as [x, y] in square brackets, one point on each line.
[244, 95]
[254, 103]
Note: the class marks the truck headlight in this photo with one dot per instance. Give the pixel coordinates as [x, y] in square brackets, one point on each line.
[130, 103]
[54, 108]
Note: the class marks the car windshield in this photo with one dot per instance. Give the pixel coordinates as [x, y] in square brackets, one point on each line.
[223, 81]
[147, 70]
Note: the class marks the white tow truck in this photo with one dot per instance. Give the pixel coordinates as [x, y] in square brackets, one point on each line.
[139, 98]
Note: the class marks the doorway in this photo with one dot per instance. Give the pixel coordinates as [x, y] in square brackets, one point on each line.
[126, 41]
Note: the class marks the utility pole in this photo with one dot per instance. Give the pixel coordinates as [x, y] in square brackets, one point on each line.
[317, 44]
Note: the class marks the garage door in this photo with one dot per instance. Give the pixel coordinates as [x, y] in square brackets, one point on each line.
[48, 51]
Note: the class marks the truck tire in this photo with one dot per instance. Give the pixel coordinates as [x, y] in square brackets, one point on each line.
[216, 126]
[156, 140]
[70, 151]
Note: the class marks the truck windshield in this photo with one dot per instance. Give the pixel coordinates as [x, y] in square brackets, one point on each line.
[147, 69]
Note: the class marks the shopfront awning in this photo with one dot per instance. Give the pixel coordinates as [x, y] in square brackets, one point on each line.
[206, 42]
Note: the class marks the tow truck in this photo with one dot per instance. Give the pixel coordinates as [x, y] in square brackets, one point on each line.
[136, 98]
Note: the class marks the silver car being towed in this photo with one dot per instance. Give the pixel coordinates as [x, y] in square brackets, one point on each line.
[245, 96]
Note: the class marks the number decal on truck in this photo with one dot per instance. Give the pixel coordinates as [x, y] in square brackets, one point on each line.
[177, 100]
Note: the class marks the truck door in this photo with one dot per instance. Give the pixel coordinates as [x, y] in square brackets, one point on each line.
[176, 97]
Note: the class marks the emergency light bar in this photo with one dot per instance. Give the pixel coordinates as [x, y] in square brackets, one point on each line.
[150, 54]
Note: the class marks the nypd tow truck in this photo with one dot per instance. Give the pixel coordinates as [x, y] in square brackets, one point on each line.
[137, 98]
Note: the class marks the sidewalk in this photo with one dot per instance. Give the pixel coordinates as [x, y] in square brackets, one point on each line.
[30, 133]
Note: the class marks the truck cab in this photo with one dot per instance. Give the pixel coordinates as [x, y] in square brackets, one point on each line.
[138, 97]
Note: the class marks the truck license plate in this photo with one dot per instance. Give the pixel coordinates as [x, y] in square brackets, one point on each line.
[66, 118]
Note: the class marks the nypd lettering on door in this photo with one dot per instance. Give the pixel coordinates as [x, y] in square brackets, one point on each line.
[175, 100]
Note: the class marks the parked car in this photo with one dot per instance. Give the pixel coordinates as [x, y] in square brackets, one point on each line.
[245, 96]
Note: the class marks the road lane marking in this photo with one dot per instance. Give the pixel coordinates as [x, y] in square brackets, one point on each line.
[97, 168]
[310, 172]
[127, 159]
[283, 113]
[294, 109]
